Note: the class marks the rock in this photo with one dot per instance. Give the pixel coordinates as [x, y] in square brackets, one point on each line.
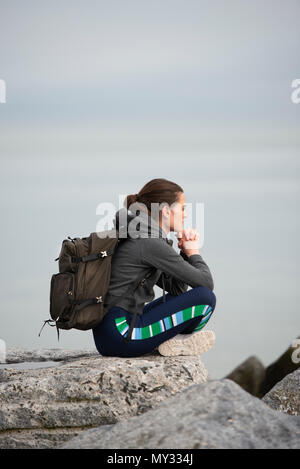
[41, 408]
[249, 375]
[217, 414]
[282, 367]
[18, 355]
[285, 396]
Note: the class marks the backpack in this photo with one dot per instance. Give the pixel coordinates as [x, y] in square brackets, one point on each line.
[78, 290]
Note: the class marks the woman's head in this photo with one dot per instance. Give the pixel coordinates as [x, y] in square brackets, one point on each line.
[168, 196]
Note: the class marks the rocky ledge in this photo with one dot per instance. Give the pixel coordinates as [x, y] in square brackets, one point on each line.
[89, 401]
[218, 414]
[42, 408]
[20, 355]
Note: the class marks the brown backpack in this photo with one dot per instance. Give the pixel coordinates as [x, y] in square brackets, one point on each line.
[77, 292]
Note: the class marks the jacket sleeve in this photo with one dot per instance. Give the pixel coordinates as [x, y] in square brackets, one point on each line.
[173, 285]
[182, 269]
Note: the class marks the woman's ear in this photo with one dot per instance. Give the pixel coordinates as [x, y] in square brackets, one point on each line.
[166, 211]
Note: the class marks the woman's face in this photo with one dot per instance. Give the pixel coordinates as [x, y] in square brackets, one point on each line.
[178, 214]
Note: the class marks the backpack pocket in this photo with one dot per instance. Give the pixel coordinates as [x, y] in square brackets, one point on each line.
[61, 292]
[68, 251]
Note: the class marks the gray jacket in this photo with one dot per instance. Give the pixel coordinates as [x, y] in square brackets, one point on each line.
[147, 257]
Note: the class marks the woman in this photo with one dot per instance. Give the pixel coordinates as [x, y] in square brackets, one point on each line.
[174, 321]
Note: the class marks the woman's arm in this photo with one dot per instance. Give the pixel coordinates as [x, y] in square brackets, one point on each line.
[193, 271]
[173, 285]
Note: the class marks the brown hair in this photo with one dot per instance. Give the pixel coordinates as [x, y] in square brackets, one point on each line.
[155, 191]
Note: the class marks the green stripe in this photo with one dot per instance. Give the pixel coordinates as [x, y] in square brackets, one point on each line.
[119, 320]
[145, 332]
[122, 327]
[199, 310]
[156, 329]
[187, 314]
[156, 326]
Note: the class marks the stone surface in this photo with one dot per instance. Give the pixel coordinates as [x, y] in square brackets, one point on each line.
[285, 396]
[249, 375]
[18, 355]
[44, 407]
[217, 414]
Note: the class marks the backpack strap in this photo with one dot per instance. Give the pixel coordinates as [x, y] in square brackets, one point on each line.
[83, 303]
[92, 257]
[140, 281]
[132, 323]
[164, 289]
[48, 321]
[79, 305]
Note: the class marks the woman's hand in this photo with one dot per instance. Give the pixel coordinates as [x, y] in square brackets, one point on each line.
[188, 241]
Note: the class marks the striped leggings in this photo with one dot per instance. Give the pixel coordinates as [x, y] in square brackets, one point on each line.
[160, 321]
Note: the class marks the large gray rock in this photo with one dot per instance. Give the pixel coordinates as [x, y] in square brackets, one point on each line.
[249, 375]
[43, 407]
[218, 414]
[19, 355]
[285, 396]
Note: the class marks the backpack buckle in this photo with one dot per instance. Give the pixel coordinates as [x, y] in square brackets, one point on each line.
[104, 253]
[99, 299]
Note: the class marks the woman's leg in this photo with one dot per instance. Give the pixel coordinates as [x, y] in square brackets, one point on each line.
[159, 322]
[196, 294]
